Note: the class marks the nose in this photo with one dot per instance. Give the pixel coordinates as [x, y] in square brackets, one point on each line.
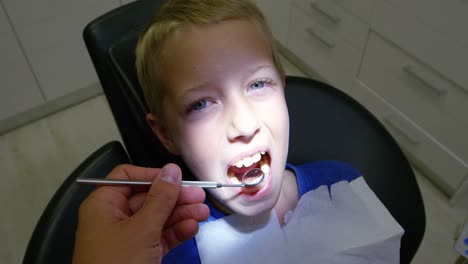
[243, 121]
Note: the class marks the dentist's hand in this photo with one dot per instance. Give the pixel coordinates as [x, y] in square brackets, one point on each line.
[121, 224]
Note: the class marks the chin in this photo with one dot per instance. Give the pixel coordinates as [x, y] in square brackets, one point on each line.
[257, 206]
[253, 211]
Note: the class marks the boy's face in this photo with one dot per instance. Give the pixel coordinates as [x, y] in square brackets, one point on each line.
[225, 109]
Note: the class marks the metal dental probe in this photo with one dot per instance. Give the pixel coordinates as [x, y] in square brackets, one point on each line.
[250, 178]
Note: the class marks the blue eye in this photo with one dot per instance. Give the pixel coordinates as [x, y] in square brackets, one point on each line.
[257, 85]
[198, 106]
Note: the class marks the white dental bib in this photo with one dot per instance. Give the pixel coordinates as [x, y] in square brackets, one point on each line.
[347, 224]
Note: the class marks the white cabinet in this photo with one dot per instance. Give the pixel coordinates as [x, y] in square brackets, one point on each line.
[322, 47]
[334, 19]
[438, 105]
[277, 15]
[428, 118]
[421, 71]
[362, 9]
[51, 34]
[44, 63]
[406, 61]
[18, 89]
[446, 56]
[445, 17]
[326, 37]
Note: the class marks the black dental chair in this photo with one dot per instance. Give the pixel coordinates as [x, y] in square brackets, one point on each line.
[325, 124]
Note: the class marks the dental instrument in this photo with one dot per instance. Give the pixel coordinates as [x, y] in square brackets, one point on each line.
[250, 178]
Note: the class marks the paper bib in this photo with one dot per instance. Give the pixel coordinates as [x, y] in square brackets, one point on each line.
[346, 224]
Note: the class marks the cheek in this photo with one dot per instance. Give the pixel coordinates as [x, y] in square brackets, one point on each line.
[199, 147]
[278, 118]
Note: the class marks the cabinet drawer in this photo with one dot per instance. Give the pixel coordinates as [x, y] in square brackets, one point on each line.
[449, 17]
[445, 169]
[335, 19]
[51, 36]
[322, 50]
[360, 8]
[446, 56]
[277, 15]
[437, 105]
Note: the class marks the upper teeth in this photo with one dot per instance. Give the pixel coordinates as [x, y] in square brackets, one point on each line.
[248, 161]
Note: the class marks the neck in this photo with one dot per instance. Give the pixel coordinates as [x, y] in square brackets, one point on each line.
[289, 196]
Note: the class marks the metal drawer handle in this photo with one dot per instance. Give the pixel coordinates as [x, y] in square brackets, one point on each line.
[327, 11]
[426, 79]
[399, 127]
[322, 36]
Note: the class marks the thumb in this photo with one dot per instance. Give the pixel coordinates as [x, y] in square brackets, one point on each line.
[162, 196]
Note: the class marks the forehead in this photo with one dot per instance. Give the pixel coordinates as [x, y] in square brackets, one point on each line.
[210, 52]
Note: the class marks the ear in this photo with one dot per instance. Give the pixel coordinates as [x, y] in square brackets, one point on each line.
[162, 133]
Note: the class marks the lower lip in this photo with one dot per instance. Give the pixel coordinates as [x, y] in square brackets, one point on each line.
[252, 196]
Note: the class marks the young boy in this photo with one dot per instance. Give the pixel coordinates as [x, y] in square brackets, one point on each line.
[215, 88]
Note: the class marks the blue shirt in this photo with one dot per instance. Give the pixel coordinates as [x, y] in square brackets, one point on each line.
[309, 177]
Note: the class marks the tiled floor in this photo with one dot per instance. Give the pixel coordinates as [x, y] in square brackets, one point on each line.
[36, 158]
[34, 161]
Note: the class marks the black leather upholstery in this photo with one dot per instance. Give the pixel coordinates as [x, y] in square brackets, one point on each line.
[54, 235]
[328, 124]
[325, 124]
[99, 36]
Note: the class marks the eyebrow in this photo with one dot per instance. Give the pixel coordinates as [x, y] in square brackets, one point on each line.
[192, 89]
[259, 68]
[202, 85]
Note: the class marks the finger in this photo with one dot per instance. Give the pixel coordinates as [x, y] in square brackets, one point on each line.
[198, 212]
[187, 195]
[161, 197]
[106, 206]
[190, 195]
[131, 172]
[178, 233]
[136, 202]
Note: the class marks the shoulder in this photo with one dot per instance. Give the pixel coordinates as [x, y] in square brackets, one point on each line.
[186, 252]
[327, 172]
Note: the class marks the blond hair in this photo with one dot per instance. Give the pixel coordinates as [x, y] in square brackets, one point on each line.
[176, 14]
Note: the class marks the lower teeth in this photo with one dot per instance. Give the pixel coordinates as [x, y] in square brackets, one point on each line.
[235, 180]
[265, 168]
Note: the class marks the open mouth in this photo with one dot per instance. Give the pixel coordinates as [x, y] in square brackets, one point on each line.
[260, 160]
